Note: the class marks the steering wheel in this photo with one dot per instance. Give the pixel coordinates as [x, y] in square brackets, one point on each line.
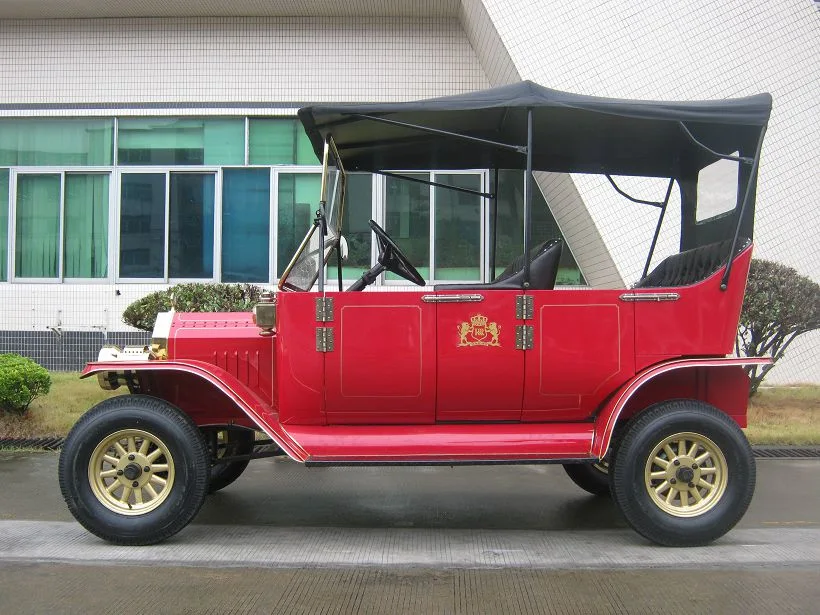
[392, 258]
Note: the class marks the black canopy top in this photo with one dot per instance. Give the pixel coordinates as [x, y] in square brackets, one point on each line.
[572, 132]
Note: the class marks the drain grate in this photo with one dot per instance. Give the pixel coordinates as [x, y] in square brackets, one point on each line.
[47, 444]
[786, 452]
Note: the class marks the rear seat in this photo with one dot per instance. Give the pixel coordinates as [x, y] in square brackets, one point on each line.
[693, 265]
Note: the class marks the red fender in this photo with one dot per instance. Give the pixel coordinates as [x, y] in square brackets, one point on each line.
[245, 399]
[609, 414]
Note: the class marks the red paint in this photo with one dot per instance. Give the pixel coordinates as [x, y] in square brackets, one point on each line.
[583, 350]
[404, 370]
[480, 372]
[475, 442]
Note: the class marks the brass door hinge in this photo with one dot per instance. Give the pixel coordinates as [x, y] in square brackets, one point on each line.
[524, 337]
[324, 309]
[324, 339]
[523, 307]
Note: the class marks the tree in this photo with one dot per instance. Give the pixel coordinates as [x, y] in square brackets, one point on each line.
[780, 305]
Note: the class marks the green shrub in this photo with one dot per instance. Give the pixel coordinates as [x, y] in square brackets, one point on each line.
[780, 305]
[194, 297]
[21, 382]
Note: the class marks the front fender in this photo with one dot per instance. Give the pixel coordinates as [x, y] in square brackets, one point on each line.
[240, 395]
[609, 414]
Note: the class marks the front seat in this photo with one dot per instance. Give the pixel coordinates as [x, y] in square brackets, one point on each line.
[543, 271]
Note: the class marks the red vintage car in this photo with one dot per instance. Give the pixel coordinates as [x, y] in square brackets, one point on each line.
[633, 390]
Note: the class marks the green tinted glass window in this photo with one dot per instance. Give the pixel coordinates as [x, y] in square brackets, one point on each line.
[298, 198]
[355, 228]
[407, 220]
[458, 229]
[4, 223]
[509, 229]
[47, 142]
[37, 248]
[85, 251]
[279, 141]
[171, 141]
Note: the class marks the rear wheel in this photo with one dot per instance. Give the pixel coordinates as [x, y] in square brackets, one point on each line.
[591, 477]
[684, 473]
[227, 443]
[134, 470]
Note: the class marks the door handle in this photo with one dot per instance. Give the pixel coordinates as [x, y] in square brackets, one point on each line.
[452, 298]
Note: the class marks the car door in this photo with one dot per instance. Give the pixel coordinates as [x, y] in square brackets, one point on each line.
[583, 349]
[480, 372]
[380, 367]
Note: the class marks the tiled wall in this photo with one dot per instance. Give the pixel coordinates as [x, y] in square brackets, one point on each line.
[699, 49]
[284, 59]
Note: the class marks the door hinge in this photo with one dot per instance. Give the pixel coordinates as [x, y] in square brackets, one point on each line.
[324, 339]
[324, 309]
[524, 337]
[523, 307]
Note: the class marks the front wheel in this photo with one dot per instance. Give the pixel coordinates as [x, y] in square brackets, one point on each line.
[684, 473]
[134, 470]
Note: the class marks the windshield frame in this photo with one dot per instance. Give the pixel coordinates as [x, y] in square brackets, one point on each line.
[327, 220]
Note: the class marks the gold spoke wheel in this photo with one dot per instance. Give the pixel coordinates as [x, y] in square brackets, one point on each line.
[131, 472]
[686, 475]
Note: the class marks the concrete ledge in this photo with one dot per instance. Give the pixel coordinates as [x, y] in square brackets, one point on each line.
[268, 547]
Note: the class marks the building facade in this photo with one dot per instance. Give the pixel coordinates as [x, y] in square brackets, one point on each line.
[153, 143]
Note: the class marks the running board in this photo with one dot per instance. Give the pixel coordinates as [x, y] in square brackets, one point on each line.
[444, 444]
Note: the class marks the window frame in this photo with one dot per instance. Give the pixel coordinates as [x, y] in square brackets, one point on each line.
[14, 173]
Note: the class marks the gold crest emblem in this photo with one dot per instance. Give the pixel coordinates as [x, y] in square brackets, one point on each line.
[479, 332]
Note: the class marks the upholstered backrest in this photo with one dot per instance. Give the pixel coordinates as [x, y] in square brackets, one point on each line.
[691, 266]
[543, 271]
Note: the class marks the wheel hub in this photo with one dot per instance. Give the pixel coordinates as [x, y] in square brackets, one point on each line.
[131, 472]
[686, 474]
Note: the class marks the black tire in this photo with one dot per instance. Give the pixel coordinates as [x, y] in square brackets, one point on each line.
[171, 441]
[645, 475]
[234, 442]
[591, 477]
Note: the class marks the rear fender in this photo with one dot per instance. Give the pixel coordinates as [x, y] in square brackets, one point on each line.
[235, 393]
[720, 382]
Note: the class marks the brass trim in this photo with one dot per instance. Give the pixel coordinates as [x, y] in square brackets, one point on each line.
[452, 298]
[654, 297]
[524, 307]
[686, 475]
[324, 339]
[118, 476]
[524, 335]
[324, 309]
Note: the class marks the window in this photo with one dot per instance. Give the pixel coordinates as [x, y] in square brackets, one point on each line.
[298, 197]
[355, 228]
[4, 222]
[455, 251]
[245, 225]
[61, 226]
[189, 206]
[175, 141]
[717, 188]
[47, 142]
[279, 141]
[510, 224]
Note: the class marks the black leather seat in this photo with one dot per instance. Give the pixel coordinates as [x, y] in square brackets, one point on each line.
[543, 271]
[692, 265]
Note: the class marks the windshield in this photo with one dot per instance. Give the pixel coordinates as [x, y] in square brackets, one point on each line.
[303, 270]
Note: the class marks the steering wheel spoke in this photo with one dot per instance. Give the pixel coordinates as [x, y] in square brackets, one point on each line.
[391, 259]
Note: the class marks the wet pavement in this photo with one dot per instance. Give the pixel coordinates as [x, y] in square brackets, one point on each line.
[488, 539]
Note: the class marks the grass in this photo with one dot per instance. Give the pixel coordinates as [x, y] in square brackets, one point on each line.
[778, 415]
[54, 414]
[785, 415]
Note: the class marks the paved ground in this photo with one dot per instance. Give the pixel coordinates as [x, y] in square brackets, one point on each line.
[493, 539]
